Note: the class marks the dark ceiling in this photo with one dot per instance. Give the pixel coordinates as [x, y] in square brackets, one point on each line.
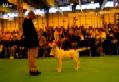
[44, 4]
[37, 3]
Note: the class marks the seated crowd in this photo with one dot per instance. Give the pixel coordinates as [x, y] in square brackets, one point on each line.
[102, 41]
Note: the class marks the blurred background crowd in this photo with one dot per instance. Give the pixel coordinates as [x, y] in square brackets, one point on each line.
[102, 41]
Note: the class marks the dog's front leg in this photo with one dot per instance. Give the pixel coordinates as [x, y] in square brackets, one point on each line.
[59, 64]
[77, 63]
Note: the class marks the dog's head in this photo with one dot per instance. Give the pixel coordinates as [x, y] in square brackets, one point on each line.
[53, 49]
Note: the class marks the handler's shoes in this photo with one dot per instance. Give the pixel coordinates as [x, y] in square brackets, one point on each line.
[34, 73]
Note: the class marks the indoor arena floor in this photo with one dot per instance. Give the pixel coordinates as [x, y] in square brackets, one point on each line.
[93, 69]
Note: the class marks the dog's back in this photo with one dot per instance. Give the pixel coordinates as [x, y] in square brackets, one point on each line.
[68, 53]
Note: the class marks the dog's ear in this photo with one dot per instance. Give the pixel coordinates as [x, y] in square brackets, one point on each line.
[50, 44]
[54, 45]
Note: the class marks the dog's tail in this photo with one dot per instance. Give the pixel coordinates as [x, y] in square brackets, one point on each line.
[83, 49]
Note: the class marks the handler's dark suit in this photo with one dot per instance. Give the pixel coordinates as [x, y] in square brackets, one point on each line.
[30, 34]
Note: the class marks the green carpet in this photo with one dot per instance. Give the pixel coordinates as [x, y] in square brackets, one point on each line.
[93, 69]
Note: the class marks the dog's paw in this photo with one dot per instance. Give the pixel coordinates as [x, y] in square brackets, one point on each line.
[59, 70]
[77, 68]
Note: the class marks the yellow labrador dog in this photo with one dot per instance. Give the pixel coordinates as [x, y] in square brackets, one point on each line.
[60, 54]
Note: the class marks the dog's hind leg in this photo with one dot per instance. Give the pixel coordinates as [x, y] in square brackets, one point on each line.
[77, 63]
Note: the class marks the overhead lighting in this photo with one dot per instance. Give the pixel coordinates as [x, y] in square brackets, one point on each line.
[92, 2]
[116, 4]
[78, 7]
[12, 15]
[5, 16]
[53, 10]
[88, 6]
[71, 3]
[109, 4]
[39, 12]
[91, 6]
[67, 8]
[9, 16]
